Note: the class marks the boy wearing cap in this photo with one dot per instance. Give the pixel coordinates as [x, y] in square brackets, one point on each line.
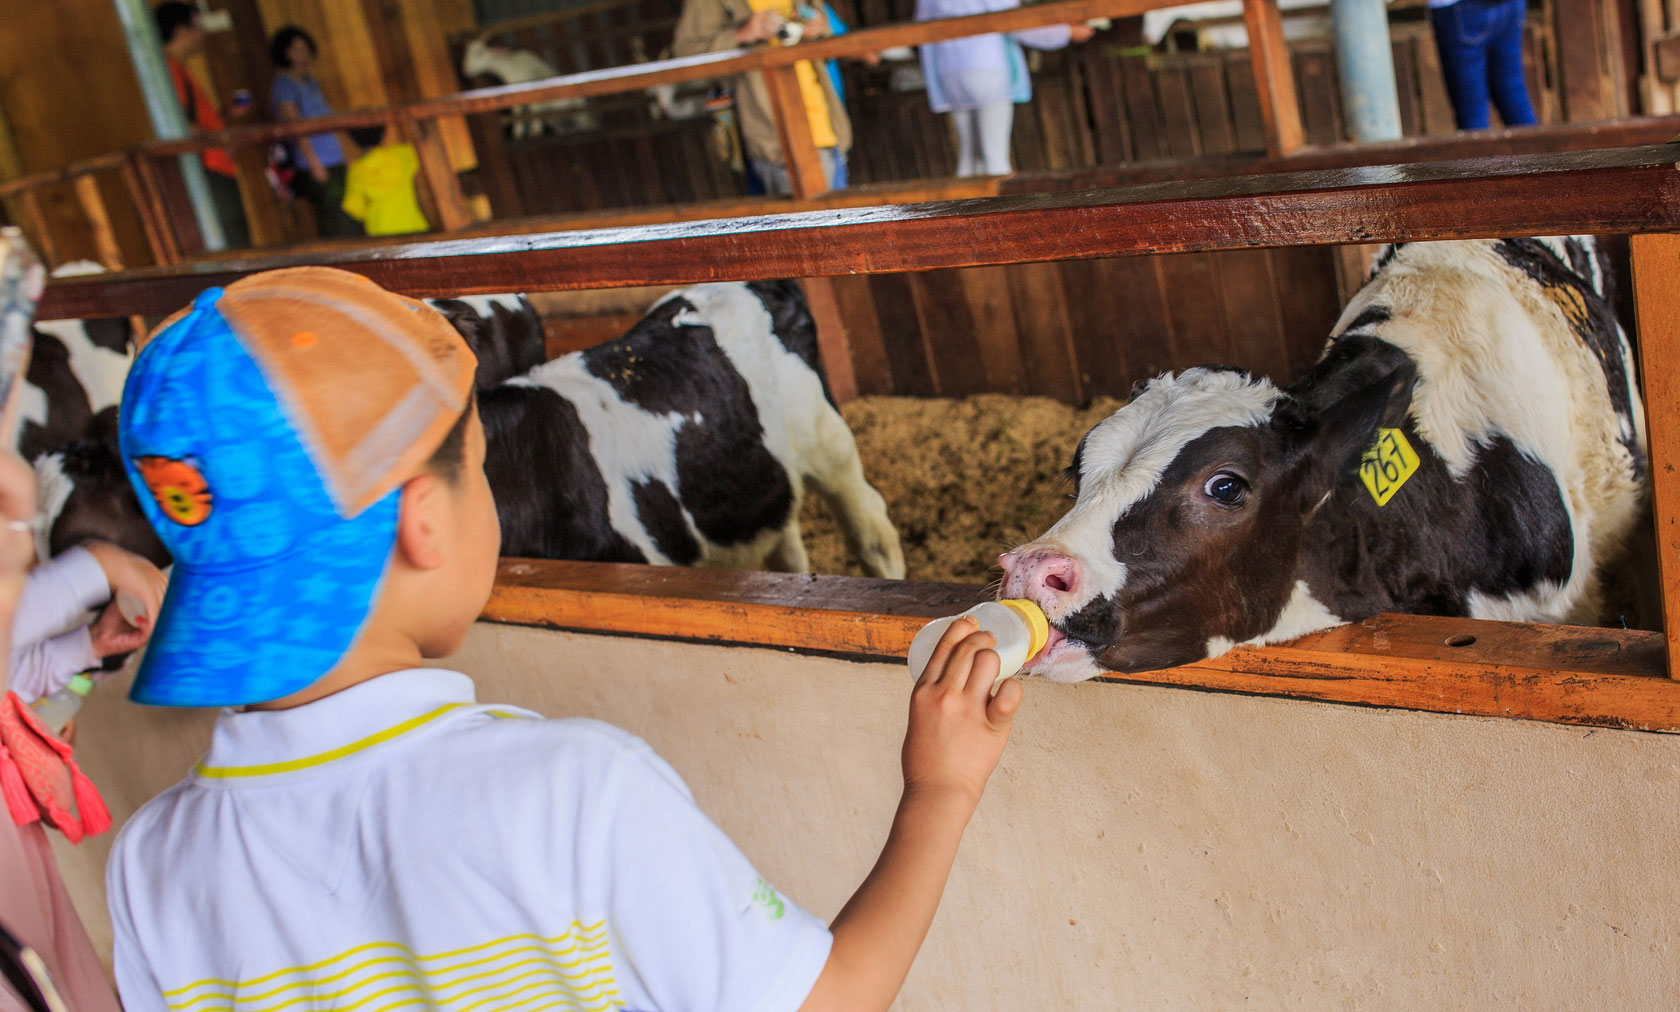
[362, 833]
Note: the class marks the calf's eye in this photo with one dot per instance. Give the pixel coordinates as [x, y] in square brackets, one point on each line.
[1226, 489]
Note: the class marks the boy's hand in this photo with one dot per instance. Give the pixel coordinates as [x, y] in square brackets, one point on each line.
[128, 573]
[957, 728]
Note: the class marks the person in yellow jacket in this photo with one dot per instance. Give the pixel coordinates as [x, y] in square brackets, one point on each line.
[379, 191]
[707, 26]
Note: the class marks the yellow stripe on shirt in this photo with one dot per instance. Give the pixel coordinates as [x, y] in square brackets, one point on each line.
[573, 970]
[293, 765]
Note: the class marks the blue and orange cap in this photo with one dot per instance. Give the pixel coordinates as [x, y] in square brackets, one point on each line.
[268, 430]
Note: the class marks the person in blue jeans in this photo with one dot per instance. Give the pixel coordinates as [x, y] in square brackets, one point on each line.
[1481, 47]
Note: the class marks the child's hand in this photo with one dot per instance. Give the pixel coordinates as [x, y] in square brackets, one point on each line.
[957, 728]
[111, 634]
[128, 573]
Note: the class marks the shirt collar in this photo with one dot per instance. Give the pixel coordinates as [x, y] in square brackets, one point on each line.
[254, 742]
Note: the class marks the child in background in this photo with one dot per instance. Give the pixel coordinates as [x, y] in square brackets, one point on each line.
[362, 832]
[379, 191]
[979, 80]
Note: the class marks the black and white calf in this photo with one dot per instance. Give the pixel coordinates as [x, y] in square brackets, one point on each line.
[688, 441]
[76, 371]
[1217, 508]
[505, 332]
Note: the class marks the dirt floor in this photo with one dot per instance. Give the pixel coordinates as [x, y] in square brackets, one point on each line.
[964, 479]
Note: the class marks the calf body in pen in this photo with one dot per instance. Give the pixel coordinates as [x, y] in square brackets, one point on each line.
[688, 441]
[1485, 389]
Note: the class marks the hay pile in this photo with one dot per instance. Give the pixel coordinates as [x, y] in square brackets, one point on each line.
[964, 479]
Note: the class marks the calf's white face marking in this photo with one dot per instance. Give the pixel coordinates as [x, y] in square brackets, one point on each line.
[1119, 466]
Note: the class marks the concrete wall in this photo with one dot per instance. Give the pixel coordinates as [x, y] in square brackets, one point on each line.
[1142, 848]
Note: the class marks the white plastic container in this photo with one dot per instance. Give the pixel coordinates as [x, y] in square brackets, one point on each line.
[57, 709]
[1019, 626]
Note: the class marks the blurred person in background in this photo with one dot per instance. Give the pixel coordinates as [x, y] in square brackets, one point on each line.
[1481, 47]
[979, 80]
[318, 158]
[708, 26]
[183, 39]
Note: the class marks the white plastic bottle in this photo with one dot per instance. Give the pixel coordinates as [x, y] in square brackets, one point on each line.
[1019, 626]
[132, 609]
[57, 709]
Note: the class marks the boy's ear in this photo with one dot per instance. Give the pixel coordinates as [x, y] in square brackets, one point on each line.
[420, 522]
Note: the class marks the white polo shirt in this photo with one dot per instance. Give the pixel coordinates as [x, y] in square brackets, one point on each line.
[397, 845]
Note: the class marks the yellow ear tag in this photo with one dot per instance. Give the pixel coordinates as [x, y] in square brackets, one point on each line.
[1387, 465]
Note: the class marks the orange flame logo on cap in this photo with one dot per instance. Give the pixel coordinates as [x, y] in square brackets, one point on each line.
[180, 490]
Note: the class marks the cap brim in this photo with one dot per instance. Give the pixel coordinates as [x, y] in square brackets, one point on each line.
[236, 636]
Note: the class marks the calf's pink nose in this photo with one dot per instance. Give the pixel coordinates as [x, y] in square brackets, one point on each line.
[1039, 573]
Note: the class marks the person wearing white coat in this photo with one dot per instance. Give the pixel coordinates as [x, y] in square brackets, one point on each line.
[978, 80]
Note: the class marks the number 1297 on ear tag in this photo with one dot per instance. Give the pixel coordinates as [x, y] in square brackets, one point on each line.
[1387, 465]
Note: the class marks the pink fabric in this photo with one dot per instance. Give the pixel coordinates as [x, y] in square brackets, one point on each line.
[36, 908]
[40, 779]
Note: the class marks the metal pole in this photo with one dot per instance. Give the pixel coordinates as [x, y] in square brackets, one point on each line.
[1365, 65]
[167, 118]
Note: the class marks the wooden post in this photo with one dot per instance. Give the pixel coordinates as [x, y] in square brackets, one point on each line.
[834, 345]
[262, 207]
[31, 200]
[441, 181]
[1274, 79]
[1656, 292]
[799, 150]
[99, 219]
[495, 169]
[1589, 60]
[141, 180]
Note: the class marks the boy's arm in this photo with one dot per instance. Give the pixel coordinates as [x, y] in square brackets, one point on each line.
[956, 736]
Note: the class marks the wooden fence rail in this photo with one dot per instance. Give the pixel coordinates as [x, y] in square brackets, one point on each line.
[1628, 190]
[1589, 676]
[164, 224]
[1607, 191]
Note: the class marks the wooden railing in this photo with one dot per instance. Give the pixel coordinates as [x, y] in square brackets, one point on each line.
[1570, 674]
[163, 210]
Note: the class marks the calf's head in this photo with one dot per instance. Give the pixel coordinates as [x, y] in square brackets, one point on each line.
[1192, 506]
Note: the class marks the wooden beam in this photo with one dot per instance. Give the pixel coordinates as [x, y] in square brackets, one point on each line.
[99, 219]
[31, 200]
[1274, 77]
[1624, 190]
[1656, 290]
[141, 184]
[1478, 144]
[834, 345]
[636, 77]
[793, 128]
[1589, 59]
[439, 177]
[1565, 674]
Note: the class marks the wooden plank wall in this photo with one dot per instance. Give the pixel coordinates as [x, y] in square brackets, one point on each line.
[81, 102]
[1073, 330]
[1098, 105]
[1087, 328]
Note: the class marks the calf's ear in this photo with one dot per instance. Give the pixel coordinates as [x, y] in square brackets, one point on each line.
[1331, 437]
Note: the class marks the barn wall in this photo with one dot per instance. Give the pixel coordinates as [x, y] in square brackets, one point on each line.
[68, 91]
[1083, 328]
[1139, 847]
